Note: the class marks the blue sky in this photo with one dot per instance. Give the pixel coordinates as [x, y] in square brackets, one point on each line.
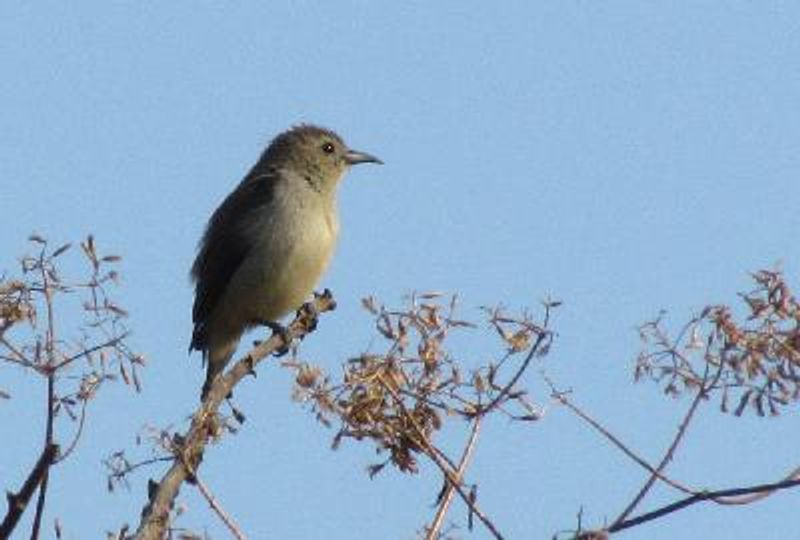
[623, 157]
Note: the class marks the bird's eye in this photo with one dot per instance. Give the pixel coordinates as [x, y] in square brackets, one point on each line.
[327, 148]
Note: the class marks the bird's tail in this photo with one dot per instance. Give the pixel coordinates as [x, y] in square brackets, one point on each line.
[219, 354]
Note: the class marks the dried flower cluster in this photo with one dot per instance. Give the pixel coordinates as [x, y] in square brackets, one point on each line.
[401, 397]
[73, 363]
[755, 363]
[29, 338]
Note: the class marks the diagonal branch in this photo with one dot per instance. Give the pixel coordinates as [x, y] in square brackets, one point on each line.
[17, 502]
[702, 393]
[444, 465]
[155, 515]
[223, 515]
[561, 397]
[447, 498]
[700, 497]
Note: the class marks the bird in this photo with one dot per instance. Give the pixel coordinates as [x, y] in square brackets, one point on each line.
[268, 243]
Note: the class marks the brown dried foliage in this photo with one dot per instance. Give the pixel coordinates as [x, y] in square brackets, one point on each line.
[755, 362]
[95, 349]
[401, 397]
[72, 362]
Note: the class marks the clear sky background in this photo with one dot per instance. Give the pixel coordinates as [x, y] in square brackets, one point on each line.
[623, 157]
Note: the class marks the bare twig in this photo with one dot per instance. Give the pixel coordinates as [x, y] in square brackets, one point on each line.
[17, 502]
[562, 398]
[699, 396]
[438, 520]
[447, 469]
[223, 515]
[120, 471]
[78, 433]
[751, 497]
[86, 352]
[543, 334]
[37, 519]
[155, 515]
[50, 345]
[704, 496]
[517, 375]
[18, 357]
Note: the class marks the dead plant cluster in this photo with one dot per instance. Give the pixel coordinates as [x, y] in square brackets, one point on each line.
[401, 396]
[753, 362]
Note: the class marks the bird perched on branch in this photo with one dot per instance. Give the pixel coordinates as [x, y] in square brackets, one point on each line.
[269, 242]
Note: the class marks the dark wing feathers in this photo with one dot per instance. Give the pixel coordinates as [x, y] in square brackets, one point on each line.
[224, 246]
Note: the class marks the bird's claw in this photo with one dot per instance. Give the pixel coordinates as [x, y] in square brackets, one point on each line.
[277, 329]
[283, 332]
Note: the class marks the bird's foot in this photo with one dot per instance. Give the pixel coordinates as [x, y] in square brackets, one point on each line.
[279, 330]
[310, 313]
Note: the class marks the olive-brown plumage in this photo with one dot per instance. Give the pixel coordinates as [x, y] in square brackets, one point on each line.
[270, 240]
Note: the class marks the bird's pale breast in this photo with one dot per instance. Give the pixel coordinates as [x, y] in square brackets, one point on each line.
[286, 262]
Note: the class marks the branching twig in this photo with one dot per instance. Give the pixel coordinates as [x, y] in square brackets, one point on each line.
[17, 502]
[155, 515]
[87, 352]
[50, 345]
[447, 498]
[542, 335]
[78, 432]
[446, 469]
[701, 394]
[562, 398]
[501, 396]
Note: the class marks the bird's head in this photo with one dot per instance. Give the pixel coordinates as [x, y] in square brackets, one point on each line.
[317, 153]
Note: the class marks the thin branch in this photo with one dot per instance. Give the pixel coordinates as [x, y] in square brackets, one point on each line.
[78, 433]
[86, 352]
[701, 394]
[37, 518]
[223, 515]
[20, 358]
[699, 497]
[561, 398]
[447, 499]
[434, 453]
[128, 468]
[155, 515]
[544, 334]
[18, 502]
[748, 498]
[51, 394]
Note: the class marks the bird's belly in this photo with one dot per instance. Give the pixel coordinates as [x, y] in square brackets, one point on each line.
[284, 278]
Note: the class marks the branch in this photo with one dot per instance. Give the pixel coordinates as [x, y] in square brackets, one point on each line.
[17, 502]
[447, 498]
[562, 398]
[541, 336]
[86, 352]
[155, 515]
[446, 468]
[702, 393]
[48, 442]
[751, 497]
[223, 515]
[50, 347]
[704, 496]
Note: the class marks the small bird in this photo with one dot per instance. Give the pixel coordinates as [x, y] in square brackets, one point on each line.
[266, 246]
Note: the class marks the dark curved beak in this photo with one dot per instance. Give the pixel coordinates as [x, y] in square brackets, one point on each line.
[354, 157]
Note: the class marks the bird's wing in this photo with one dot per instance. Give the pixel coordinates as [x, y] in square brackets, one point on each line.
[225, 246]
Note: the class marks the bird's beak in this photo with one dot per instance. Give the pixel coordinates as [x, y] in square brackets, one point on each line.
[354, 157]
